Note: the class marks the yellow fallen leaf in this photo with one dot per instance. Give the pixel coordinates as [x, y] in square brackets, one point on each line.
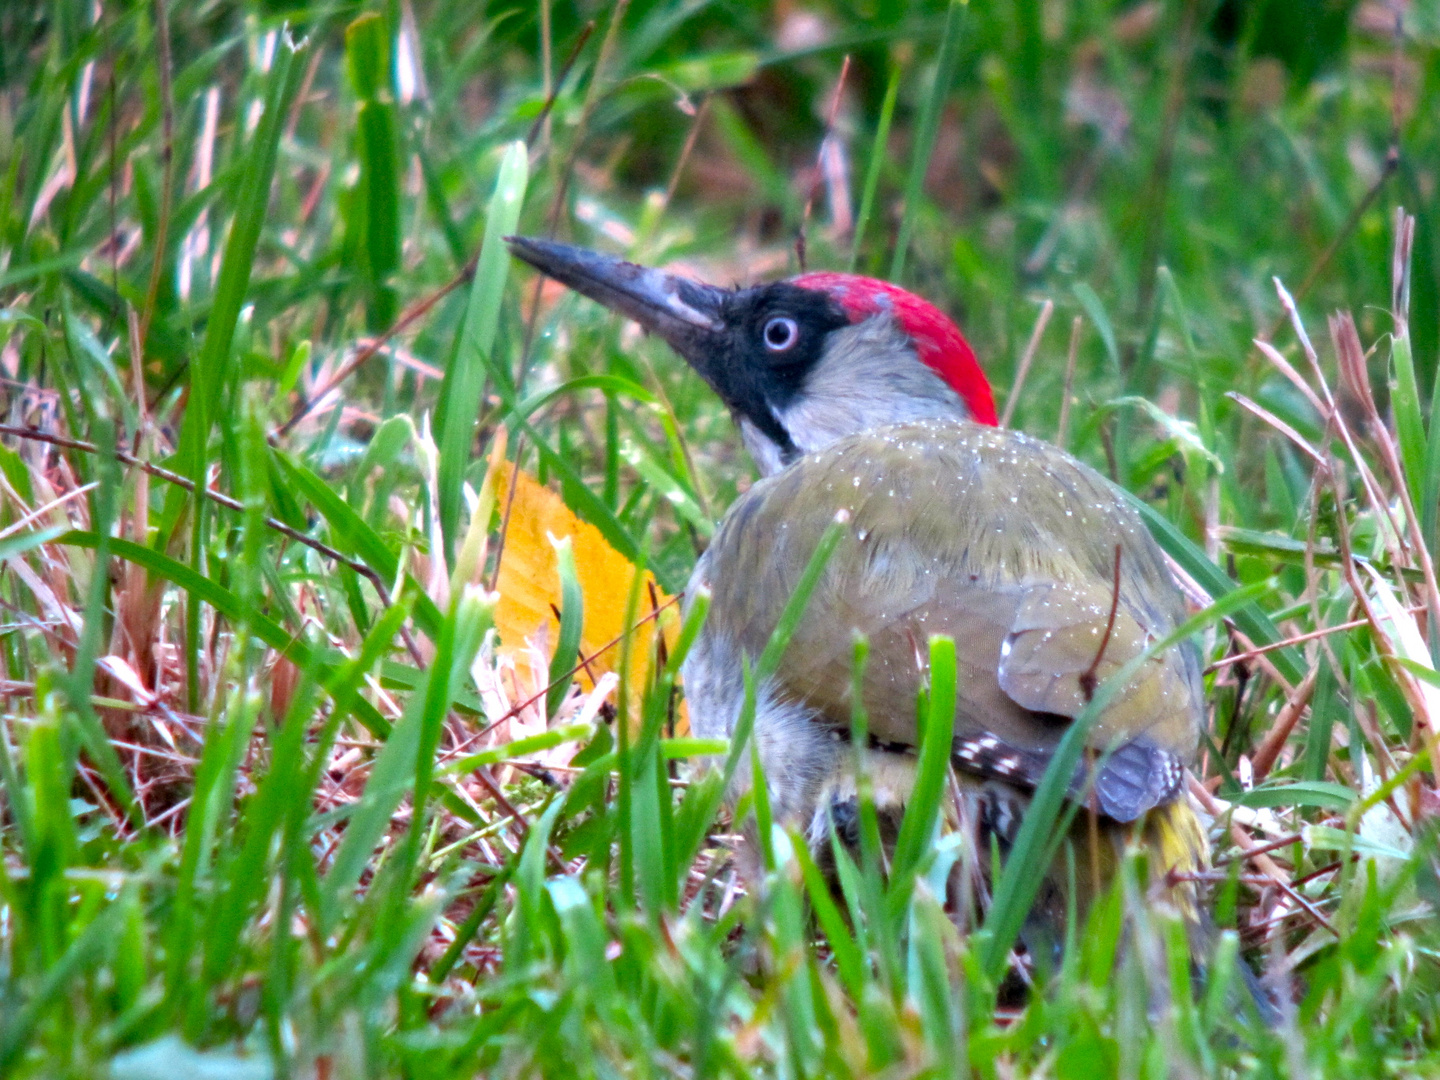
[529, 586]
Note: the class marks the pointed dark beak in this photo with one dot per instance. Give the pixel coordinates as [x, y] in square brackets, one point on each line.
[687, 314]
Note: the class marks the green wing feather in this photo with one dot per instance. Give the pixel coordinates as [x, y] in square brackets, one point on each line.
[999, 540]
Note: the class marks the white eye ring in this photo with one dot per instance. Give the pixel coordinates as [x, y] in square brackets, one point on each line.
[781, 333]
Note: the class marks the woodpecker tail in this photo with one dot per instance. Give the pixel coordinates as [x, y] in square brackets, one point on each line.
[1178, 858]
[1181, 852]
[992, 803]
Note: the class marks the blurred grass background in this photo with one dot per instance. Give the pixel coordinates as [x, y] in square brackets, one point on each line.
[253, 248]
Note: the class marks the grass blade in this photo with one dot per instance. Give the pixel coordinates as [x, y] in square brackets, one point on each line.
[933, 770]
[572, 620]
[377, 213]
[1429, 506]
[848, 958]
[227, 603]
[927, 129]
[211, 368]
[79, 956]
[780, 638]
[877, 161]
[354, 536]
[1249, 617]
[461, 388]
[1101, 320]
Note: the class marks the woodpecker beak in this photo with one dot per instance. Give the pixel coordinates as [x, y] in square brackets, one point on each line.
[687, 314]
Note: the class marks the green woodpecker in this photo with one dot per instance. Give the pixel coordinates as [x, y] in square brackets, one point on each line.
[853, 394]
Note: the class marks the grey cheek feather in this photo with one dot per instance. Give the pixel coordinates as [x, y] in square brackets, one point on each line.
[869, 377]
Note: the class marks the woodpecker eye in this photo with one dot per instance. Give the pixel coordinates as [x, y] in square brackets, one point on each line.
[781, 333]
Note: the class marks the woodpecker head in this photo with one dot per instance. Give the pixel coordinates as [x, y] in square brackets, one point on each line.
[801, 362]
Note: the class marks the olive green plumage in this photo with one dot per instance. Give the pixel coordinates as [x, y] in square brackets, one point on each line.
[1001, 541]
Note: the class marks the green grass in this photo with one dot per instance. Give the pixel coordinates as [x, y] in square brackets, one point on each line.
[247, 820]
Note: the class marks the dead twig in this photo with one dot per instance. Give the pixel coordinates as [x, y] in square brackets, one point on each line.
[409, 316]
[1041, 322]
[582, 663]
[1265, 756]
[1075, 326]
[1249, 654]
[1088, 678]
[321, 548]
[819, 178]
